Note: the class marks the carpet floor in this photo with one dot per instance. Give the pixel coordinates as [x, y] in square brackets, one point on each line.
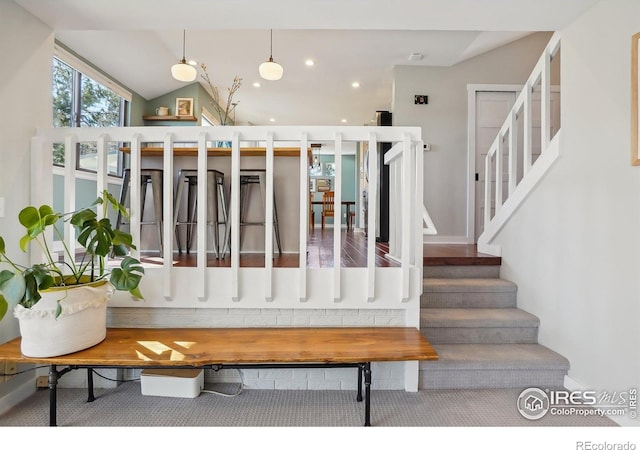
[125, 406]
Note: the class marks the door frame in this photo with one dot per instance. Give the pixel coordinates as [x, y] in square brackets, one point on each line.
[472, 91]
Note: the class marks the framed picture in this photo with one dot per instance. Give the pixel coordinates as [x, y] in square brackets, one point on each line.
[329, 169]
[635, 101]
[184, 106]
[323, 184]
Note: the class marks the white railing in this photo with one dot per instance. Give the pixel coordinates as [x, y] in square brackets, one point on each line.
[165, 285]
[523, 173]
[406, 164]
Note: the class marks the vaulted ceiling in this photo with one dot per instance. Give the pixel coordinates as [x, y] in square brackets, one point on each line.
[349, 41]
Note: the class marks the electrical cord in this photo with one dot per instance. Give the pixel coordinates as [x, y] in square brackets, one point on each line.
[207, 391]
[22, 371]
[223, 394]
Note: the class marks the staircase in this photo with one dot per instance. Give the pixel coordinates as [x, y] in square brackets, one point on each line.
[470, 316]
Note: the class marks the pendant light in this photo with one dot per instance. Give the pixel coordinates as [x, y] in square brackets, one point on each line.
[271, 70]
[183, 71]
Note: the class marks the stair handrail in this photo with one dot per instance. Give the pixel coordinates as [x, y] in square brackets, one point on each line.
[532, 172]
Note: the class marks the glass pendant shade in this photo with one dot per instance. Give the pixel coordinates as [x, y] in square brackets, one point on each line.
[271, 70]
[183, 71]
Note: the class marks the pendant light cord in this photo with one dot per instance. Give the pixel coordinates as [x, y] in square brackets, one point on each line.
[184, 37]
[271, 46]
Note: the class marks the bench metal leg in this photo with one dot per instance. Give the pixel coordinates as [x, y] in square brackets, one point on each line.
[91, 397]
[53, 383]
[367, 394]
[360, 368]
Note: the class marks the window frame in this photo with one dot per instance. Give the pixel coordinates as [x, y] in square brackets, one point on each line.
[85, 69]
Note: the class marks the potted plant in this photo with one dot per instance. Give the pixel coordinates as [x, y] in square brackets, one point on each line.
[61, 306]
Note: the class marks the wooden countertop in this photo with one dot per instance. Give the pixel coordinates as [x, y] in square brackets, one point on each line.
[140, 347]
[217, 151]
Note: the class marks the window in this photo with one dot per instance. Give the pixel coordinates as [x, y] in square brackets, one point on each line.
[82, 97]
[207, 119]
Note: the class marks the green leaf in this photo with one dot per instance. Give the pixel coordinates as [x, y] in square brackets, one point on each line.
[24, 241]
[50, 219]
[4, 276]
[96, 236]
[120, 250]
[42, 276]
[4, 306]
[45, 210]
[2, 247]
[31, 293]
[127, 277]
[29, 217]
[14, 289]
[84, 215]
[136, 293]
[122, 238]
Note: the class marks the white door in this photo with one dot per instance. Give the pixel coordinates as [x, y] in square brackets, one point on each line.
[492, 109]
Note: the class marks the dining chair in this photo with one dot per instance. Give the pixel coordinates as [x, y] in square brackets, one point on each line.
[312, 214]
[327, 206]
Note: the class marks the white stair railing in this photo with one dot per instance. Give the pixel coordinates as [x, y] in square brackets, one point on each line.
[522, 172]
[201, 286]
[405, 178]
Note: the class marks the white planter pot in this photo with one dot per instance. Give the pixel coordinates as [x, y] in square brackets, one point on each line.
[82, 323]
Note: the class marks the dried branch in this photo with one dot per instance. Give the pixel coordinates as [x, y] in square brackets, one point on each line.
[223, 114]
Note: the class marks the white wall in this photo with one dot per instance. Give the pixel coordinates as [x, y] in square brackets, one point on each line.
[25, 92]
[573, 248]
[25, 95]
[444, 122]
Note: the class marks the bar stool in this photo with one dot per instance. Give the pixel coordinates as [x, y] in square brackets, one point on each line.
[248, 179]
[147, 176]
[216, 202]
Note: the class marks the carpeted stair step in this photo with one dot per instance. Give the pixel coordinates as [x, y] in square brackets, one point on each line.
[479, 326]
[492, 366]
[445, 271]
[468, 293]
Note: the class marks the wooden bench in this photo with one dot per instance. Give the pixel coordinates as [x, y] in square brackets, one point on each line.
[239, 348]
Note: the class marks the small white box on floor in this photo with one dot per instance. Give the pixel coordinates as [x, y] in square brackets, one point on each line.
[185, 383]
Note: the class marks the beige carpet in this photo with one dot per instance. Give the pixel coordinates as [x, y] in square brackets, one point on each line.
[127, 407]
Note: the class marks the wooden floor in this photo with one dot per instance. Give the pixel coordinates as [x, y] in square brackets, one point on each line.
[353, 254]
[456, 255]
[319, 254]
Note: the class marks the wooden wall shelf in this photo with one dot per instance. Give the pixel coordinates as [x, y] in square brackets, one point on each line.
[171, 118]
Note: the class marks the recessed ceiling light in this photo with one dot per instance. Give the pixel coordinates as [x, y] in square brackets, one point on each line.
[193, 63]
[272, 120]
[310, 62]
[344, 121]
[355, 85]
[256, 84]
[415, 56]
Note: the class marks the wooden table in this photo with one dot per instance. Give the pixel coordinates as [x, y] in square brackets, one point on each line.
[237, 348]
[347, 203]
